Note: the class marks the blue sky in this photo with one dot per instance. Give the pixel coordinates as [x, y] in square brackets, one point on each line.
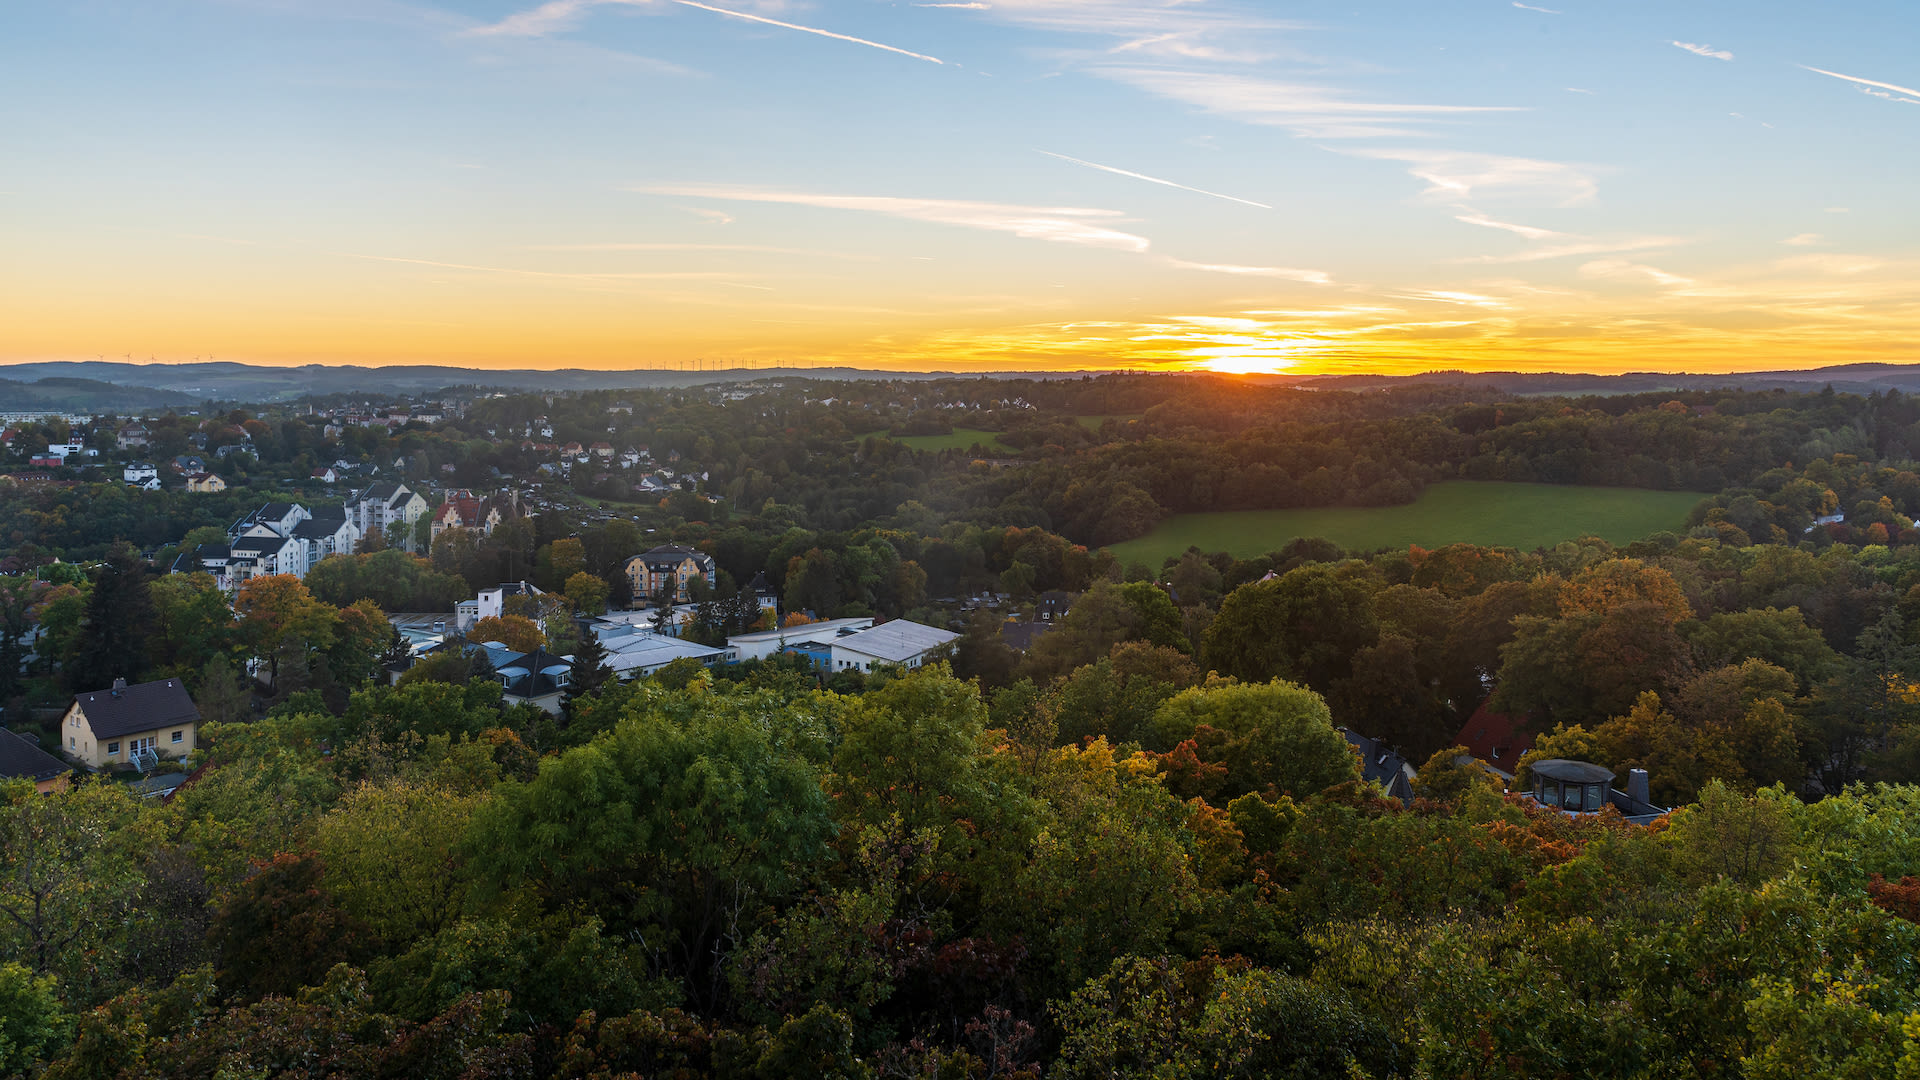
[1376, 186]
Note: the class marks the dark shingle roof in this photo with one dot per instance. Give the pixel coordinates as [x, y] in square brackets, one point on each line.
[318, 528]
[141, 707]
[253, 545]
[20, 759]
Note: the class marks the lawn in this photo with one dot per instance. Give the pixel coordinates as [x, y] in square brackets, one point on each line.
[1522, 516]
[961, 439]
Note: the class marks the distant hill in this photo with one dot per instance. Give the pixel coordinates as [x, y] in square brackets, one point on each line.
[68, 394]
[1846, 378]
[224, 381]
[94, 385]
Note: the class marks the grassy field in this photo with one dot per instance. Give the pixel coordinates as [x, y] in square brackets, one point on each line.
[961, 439]
[1092, 423]
[1522, 516]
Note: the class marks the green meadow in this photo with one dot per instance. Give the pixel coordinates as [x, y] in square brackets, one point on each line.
[1522, 516]
[961, 439]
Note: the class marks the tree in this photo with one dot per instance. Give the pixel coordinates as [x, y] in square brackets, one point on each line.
[192, 624]
[220, 694]
[1303, 626]
[587, 593]
[393, 857]
[281, 930]
[69, 877]
[1445, 777]
[277, 610]
[590, 672]
[1275, 736]
[119, 623]
[32, 1024]
[516, 632]
[673, 829]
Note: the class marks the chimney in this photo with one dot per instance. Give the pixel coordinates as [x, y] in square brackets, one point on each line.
[1637, 786]
[119, 685]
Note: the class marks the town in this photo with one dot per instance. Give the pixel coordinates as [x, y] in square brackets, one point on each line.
[779, 713]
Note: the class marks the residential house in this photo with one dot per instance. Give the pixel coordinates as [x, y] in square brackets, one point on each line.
[139, 472]
[326, 474]
[764, 643]
[1496, 739]
[1580, 787]
[103, 728]
[492, 603]
[633, 651]
[1383, 766]
[21, 759]
[133, 436]
[46, 461]
[207, 558]
[538, 678]
[602, 450]
[629, 458]
[188, 464]
[671, 568]
[573, 450]
[320, 537]
[205, 482]
[900, 642]
[391, 508]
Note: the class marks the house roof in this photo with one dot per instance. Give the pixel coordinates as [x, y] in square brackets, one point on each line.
[318, 528]
[1496, 738]
[274, 511]
[897, 641]
[1380, 764]
[1572, 772]
[258, 545]
[140, 707]
[20, 759]
[673, 555]
[804, 632]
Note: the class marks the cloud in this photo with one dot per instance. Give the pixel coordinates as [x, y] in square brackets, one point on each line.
[809, 30]
[664, 275]
[1527, 231]
[1311, 277]
[1155, 180]
[1460, 299]
[545, 19]
[1541, 10]
[1577, 90]
[1315, 111]
[1704, 50]
[649, 246]
[711, 217]
[1805, 239]
[1911, 96]
[1088, 227]
[1621, 268]
[557, 15]
[975, 5]
[1578, 246]
[1460, 175]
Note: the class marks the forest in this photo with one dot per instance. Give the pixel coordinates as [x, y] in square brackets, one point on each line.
[1138, 846]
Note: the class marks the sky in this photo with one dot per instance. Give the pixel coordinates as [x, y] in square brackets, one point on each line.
[1591, 185]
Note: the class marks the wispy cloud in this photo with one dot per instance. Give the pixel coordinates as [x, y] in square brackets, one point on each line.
[1578, 246]
[1454, 297]
[1805, 239]
[1621, 268]
[1316, 111]
[1541, 10]
[1527, 231]
[1155, 180]
[711, 217]
[1458, 176]
[1704, 50]
[1085, 226]
[663, 275]
[661, 246]
[975, 5]
[1311, 277]
[555, 15]
[1899, 93]
[810, 30]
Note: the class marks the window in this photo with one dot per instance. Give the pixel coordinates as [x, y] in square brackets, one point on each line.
[177, 736]
[72, 744]
[113, 748]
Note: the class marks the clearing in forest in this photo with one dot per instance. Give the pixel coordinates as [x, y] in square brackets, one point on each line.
[1522, 516]
[961, 439]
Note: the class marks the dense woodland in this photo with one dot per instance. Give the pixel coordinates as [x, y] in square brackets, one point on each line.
[1140, 848]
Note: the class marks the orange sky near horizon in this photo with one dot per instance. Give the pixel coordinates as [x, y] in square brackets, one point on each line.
[1223, 185]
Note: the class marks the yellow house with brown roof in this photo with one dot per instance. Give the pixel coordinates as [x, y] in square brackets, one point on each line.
[104, 728]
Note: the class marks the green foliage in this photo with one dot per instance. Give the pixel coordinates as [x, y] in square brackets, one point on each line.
[1270, 737]
[33, 1025]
